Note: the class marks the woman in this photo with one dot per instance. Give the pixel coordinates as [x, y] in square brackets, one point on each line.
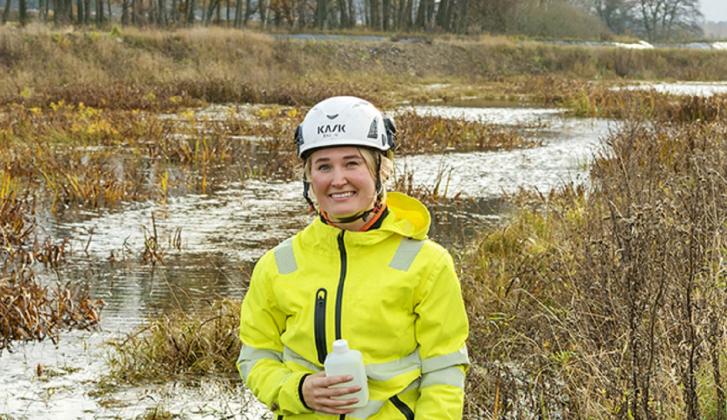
[363, 271]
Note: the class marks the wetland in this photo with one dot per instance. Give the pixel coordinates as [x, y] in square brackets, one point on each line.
[141, 204]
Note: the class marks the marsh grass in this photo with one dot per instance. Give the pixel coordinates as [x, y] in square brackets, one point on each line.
[608, 100]
[29, 310]
[180, 346]
[609, 301]
[81, 156]
[435, 134]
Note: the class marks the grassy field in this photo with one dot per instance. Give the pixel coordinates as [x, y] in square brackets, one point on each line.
[133, 69]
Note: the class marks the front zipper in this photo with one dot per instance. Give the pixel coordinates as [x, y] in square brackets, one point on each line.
[339, 292]
[401, 406]
[319, 324]
[341, 280]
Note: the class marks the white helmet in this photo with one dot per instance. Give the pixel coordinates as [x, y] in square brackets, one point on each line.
[345, 121]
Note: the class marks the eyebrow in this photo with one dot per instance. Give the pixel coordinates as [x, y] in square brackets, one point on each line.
[347, 157]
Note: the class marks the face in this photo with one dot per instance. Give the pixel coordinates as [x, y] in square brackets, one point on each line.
[341, 181]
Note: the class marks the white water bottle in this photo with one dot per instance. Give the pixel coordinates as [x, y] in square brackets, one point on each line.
[344, 361]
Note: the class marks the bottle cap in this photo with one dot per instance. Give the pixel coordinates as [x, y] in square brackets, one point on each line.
[340, 346]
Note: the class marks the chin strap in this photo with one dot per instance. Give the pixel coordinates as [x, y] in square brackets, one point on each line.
[370, 217]
[364, 215]
[306, 188]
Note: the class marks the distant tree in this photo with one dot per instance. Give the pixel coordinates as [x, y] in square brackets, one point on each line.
[22, 12]
[462, 16]
[321, 13]
[616, 14]
[444, 14]
[99, 13]
[663, 19]
[376, 21]
[6, 10]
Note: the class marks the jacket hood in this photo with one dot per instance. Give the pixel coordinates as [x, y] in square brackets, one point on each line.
[411, 217]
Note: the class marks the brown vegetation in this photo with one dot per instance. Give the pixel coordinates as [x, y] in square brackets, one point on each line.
[610, 302]
[589, 99]
[166, 70]
[29, 311]
[181, 345]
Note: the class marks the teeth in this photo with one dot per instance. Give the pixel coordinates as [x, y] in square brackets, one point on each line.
[342, 195]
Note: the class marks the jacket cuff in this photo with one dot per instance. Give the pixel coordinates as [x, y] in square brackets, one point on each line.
[290, 397]
[300, 391]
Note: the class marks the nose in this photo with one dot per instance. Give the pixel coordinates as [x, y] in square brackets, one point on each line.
[339, 178]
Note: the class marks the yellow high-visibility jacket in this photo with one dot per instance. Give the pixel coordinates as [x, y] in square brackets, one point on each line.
[391, 293]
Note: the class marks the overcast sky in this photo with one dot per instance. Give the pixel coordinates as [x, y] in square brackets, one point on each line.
[714, 10]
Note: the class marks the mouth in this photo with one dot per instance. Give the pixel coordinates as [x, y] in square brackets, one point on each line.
[342, 195]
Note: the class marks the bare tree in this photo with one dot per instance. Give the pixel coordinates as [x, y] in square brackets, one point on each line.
[344, 18]
[99, 12]
[6, 11]
[662, 19]
[462, 16]
[321, 13]
[375, 14]
[616, 14]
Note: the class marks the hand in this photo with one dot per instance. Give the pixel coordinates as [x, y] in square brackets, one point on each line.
[318, 394]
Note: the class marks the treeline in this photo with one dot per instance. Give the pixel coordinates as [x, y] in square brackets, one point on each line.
[651, 19]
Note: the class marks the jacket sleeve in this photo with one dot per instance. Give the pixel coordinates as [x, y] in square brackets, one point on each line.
[261, 358]
[441, 330]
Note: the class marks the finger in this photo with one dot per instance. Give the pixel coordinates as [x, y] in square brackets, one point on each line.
[334, 380]
[338, 391]
[331, 403]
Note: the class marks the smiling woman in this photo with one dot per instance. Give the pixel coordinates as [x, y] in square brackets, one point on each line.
[363, 271]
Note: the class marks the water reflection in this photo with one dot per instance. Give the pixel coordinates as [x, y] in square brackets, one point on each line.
[704, 89]
[567, 150]
[491, 115]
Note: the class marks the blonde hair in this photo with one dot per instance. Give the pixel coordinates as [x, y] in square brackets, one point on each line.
[369, 157]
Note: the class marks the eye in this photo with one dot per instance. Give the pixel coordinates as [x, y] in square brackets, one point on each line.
[324, 167]
[353, 163]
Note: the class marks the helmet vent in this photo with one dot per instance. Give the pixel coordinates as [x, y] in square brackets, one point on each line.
[373, 130]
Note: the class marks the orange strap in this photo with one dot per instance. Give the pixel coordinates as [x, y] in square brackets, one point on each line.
[375, 216]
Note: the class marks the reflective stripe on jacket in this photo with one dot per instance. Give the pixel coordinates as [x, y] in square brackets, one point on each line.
[390, 292]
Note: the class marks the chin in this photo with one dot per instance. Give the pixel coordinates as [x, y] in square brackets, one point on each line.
[343, 211]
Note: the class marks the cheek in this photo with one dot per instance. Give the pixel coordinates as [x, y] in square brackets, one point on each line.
[367, 182]
[318, 184]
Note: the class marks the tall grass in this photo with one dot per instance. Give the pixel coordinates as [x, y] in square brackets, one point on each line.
[180, 345]
[28, 310]
[610, 302]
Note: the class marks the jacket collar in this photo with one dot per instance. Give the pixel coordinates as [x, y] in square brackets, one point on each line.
[408, 217]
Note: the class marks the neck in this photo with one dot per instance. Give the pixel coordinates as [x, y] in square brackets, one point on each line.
[360, 224]
[356, 225]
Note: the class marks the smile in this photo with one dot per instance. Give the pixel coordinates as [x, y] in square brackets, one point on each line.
[342, 194]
